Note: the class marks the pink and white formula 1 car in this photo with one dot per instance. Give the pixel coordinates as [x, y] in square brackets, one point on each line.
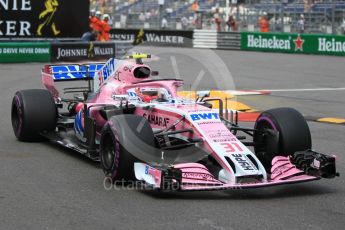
[139, 129]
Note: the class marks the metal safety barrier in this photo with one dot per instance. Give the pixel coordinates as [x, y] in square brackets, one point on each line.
[212, 39]
[61, 51]
[229, 41]
[205, 39]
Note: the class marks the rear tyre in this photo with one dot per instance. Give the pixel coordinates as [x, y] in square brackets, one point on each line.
[33, 111]
[119, 138]
[281, 132]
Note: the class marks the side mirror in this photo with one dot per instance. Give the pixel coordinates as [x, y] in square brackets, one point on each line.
[203, 94]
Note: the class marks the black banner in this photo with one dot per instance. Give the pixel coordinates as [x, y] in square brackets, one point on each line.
[75, 51]
[44, 18]
[154, 37]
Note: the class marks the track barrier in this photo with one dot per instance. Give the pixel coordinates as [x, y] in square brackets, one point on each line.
[294, 43]
[54, 51]
[12, 52]
[123, 40]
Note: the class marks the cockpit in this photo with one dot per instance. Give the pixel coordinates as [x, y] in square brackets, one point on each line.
[150, 94]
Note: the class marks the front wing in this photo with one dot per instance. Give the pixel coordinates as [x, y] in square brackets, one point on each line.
[196, 177]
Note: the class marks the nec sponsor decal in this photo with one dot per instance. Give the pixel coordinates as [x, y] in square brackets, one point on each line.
[204, 116]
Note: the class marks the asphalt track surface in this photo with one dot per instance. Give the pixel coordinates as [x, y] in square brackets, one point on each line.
[46, 187]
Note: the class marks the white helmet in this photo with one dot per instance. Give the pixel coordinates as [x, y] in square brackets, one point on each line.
[92, 12]
[98, 13]
[106, 16]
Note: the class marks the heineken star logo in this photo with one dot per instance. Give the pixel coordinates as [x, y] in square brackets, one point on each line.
[298, 43]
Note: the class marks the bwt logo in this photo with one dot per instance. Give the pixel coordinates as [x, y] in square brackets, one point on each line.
[204, 116]
[74, 71]
[108, 69]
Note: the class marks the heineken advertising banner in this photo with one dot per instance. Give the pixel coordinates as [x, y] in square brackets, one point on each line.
[25, 52]
[294, 43]
[79, 51]
[154, 37]
[43, 18]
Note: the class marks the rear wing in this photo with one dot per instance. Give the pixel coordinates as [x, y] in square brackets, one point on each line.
[97, 74]
[72, 72]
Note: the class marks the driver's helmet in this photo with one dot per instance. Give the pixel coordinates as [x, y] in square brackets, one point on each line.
[152, 94]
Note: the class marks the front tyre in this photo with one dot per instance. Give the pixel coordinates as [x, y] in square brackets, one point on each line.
[121, 137]
[280, 132]
[33, 111]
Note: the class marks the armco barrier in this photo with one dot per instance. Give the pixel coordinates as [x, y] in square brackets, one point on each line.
[229, 40]
[12, 52]
[294, 43]
[212, 39]
[57, 51]
[205, 39]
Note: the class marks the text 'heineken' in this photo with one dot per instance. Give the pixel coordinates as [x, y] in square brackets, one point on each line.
[331, 45]
[270, 43]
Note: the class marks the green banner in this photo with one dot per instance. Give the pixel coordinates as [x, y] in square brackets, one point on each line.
[25, 52]
[294, 43]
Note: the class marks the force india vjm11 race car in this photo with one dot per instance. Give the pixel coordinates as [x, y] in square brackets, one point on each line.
[140, 129]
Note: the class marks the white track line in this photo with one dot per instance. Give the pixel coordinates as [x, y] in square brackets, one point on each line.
[301, 90]
[197, 80]
[175, 67]
[244, 92]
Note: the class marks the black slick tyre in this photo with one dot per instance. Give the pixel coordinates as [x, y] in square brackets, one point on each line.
[121, 138]
[33, 111]
[280, 132]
